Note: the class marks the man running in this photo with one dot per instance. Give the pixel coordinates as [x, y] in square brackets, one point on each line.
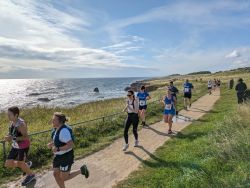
[143, 96]
[62, 147]
[18, 135]
[209, 86]
[132, 109]
[169, 102]
[187, 93]
[241, 87]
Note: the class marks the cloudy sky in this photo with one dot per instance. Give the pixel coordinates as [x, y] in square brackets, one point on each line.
[117, 38]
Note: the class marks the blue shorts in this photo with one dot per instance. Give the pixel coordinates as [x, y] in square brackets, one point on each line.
[169, 112]
[143, 107]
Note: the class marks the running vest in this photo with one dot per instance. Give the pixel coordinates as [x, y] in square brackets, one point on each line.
[13, 131]
[169, 103]
[129, 106]
[55, 136]
[187, 87]
[142, 98]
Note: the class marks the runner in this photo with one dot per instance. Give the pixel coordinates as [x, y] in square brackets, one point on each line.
[143, 96]
[62, 147]
[18, 135]
[209, 86]
[169, 102]
[218, 82]
[132, 108]
[215, 84]
[174, 91]
[187, 93]
[241, 87]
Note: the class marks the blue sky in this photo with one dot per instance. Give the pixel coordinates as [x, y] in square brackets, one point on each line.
[117, 38]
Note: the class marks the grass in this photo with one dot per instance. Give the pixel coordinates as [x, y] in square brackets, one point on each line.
[213, 152]
[90, 137]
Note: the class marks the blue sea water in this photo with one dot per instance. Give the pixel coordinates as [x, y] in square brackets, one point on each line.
[59, 92]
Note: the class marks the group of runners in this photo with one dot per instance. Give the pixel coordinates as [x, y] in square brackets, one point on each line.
[212, 85]
[136, 106]
[62, 138]
[62, 142]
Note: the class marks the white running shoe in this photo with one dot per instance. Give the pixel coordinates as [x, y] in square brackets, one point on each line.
[136, 143]
[125, 147]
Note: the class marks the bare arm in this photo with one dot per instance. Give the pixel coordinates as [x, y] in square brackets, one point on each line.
[24, 131]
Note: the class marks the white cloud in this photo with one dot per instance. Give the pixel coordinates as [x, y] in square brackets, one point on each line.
[197, 13]
[233, 54]
[183, 61]
[36, 35]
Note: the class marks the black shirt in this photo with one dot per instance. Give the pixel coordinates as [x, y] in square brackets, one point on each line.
[174, 90]
[241, 87]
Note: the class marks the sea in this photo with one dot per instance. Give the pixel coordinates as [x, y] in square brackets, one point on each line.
[26, 93]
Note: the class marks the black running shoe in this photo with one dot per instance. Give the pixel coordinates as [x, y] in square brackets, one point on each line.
[85, 171]
[28, 179]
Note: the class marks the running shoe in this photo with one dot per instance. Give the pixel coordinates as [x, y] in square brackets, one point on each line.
[125, 147]
[28, 179]
[136, 143]
[84, 171]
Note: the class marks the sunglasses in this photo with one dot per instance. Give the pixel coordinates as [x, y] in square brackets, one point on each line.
[129, 95]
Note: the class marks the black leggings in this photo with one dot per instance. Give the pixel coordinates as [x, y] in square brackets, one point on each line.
[241, 97]
[133, 119]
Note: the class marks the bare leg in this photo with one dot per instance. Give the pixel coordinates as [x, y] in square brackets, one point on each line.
[24, 167]
[170, 122]
[70, 175]
[59, 180]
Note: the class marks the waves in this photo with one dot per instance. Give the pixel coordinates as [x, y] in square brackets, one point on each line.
[59, 92]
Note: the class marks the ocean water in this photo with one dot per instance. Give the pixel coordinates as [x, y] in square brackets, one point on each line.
[59, 92]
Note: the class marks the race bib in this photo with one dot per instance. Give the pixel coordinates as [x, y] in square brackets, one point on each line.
[186, 90]
[15, 144]
[168, 106]
[142, 103]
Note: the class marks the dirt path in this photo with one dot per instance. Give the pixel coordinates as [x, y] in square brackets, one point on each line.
[111, 165]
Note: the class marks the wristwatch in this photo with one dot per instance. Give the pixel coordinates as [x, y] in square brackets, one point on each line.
[14, 138]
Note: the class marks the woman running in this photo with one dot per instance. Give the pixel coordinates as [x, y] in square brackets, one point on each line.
[132, 108]
[143, 96]
[18, 135]
[62, 147]
[169, 102]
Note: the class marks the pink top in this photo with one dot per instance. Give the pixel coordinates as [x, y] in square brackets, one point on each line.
[14, 132]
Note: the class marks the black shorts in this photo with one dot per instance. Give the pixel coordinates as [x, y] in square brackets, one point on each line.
[18, 154]
[143, 107]
[209, 88]
[64, 162]
[188, 95]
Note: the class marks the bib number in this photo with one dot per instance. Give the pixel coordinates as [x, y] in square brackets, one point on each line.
[186, 90]
[168, 106]
[142, 103]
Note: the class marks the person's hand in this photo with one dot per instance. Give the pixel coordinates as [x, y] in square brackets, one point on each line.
[54, 149]
[8, 138]
[50, 145]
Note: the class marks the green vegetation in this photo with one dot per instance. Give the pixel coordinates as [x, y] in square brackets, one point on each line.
[212, 152]
[95, 135]
[200, 72]
[90, 137]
